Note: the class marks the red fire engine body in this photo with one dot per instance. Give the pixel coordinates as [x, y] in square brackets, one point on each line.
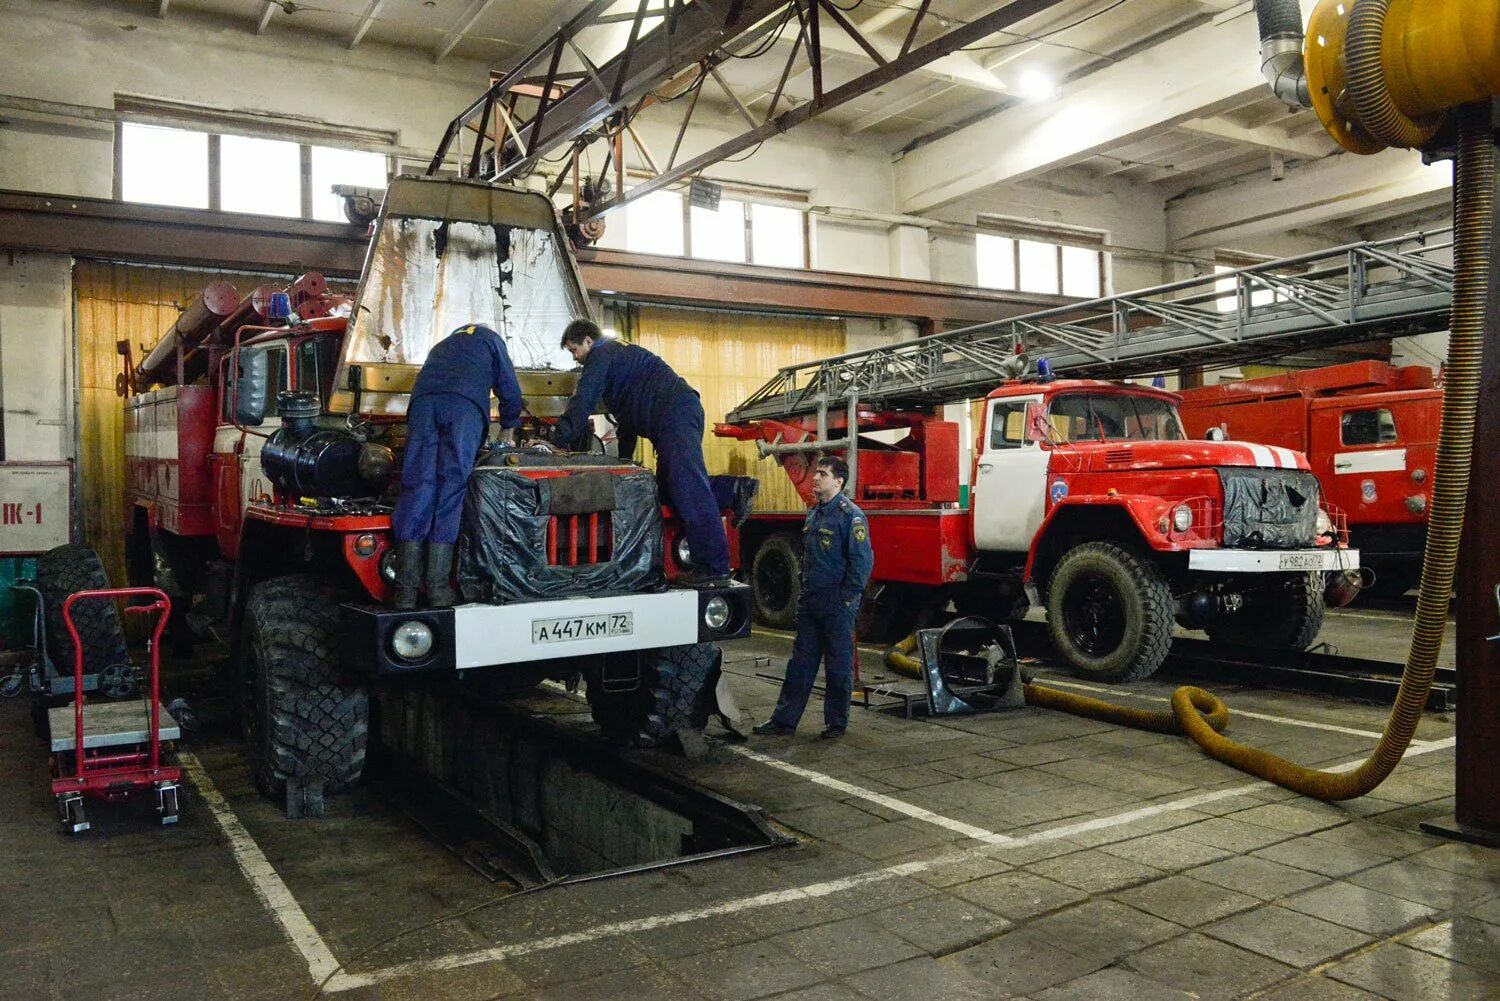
[1087, 498]
[1369, 431]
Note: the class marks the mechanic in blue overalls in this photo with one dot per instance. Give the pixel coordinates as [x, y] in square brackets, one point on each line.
[646, 398]
[836, 565]
[446, 423]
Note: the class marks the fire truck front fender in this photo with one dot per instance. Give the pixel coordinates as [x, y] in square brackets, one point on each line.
[1131, 519]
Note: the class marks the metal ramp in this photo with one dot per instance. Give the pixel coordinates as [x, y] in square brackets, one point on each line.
[1357, 292]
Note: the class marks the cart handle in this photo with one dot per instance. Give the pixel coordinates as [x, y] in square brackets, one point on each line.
[162, 604]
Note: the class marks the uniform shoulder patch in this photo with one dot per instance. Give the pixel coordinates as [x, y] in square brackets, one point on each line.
[860, 532]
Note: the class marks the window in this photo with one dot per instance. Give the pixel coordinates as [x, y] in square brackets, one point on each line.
[163, 166]
[1039, 266]
[719, 235]
[778, 236]
[653, 224]
[1367, 427]
[353, 167]
[1114, 417]
[238, 173]
[997, 261]
[261, 176]
[315, 365]
[1044, 266]
[1008, 424]
[738, 232]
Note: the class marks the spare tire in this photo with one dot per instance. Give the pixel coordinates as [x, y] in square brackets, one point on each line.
[67, 570]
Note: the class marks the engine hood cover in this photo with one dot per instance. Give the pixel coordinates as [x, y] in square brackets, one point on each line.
[1124, 456]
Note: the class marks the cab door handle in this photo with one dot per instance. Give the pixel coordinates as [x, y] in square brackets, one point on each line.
[986, 466]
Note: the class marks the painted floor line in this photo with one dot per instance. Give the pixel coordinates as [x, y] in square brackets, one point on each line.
[869, 795]
[263, 878]
[822, 889]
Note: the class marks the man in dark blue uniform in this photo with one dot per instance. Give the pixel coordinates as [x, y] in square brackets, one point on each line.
[836, 565]
[646, 398]
[446, 422]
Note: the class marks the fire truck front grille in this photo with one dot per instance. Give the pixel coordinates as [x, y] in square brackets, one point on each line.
[1269, 508]
[579, 539]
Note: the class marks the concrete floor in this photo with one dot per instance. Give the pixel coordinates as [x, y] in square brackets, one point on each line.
[1023, 855]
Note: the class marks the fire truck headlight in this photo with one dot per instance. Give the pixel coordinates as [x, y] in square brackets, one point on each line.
[682, 551]
[1324, 523]
[366, 544]
[716, 613]
[388, 566]
[1182, 517]
[411, 641]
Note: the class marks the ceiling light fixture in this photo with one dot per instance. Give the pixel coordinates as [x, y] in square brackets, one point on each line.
[1036, 85]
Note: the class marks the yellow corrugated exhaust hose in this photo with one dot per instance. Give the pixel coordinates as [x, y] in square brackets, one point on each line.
[1201, 715]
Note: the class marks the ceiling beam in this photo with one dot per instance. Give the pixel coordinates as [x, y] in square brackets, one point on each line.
[365, 20]
[957, 67]
[460, 27]
[1326, 191]
[1191, 74]
[898, 107]
[1265, 137]
[265, 17]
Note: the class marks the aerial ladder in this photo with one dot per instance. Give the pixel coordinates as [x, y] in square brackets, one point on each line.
[1356, 292]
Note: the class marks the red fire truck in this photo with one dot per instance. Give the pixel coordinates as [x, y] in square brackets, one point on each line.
[261, 477]
[1369, 431]
[1089, 499]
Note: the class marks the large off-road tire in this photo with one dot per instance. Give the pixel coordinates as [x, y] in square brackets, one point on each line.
[776, 580]
[304, 723]
[1281, 614]
[1110, 613]
[67, 570]
[675, 693]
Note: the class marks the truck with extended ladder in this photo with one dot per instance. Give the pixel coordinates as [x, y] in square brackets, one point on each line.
[263, 454]
[1087, 497]
[1369, 431]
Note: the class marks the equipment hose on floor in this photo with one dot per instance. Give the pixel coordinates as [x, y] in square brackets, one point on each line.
[1202, 715]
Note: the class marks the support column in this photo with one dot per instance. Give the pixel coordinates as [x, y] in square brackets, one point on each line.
[1477, 754]
[910, 256]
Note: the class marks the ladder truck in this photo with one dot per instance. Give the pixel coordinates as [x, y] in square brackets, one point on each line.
[1087, 497]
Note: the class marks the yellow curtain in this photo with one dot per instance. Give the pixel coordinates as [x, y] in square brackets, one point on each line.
[115, 302]
[726, 357]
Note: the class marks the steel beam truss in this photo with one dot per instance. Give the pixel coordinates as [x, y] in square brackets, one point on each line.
[1352, 293]
[557, 96]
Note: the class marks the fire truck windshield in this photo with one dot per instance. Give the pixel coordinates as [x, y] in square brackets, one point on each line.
[1114, 417]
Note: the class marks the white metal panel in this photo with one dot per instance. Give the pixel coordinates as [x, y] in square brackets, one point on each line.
[1382, 460]
[1272, 560]
[35, 509]
[485, 635]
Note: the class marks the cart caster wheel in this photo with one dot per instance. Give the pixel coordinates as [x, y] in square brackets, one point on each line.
[70, 813]
[167, 802]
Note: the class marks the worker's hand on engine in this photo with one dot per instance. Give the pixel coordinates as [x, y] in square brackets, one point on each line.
[542, 445]
[506, 438]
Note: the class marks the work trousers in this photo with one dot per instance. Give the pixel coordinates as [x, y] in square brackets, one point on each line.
[827, 636]
[443, 435]
[679, 453]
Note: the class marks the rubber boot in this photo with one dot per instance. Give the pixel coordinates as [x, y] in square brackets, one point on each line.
[408, 576]
[440, 575]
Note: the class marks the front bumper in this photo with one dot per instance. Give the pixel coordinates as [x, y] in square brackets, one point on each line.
[1272, 560]
[470, 636]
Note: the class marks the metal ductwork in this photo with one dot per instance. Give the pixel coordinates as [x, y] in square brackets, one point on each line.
[1281, 50]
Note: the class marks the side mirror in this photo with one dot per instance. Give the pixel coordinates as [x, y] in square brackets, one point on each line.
[1216, 434]
[250, 387]
[1038, 427]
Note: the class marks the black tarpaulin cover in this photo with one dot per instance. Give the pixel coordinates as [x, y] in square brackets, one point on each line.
[502, 546]
[1269, 508]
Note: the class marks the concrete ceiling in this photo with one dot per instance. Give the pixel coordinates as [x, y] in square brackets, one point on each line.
[1160, 94]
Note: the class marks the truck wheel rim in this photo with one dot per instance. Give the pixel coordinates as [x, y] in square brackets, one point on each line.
[1094, 615]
